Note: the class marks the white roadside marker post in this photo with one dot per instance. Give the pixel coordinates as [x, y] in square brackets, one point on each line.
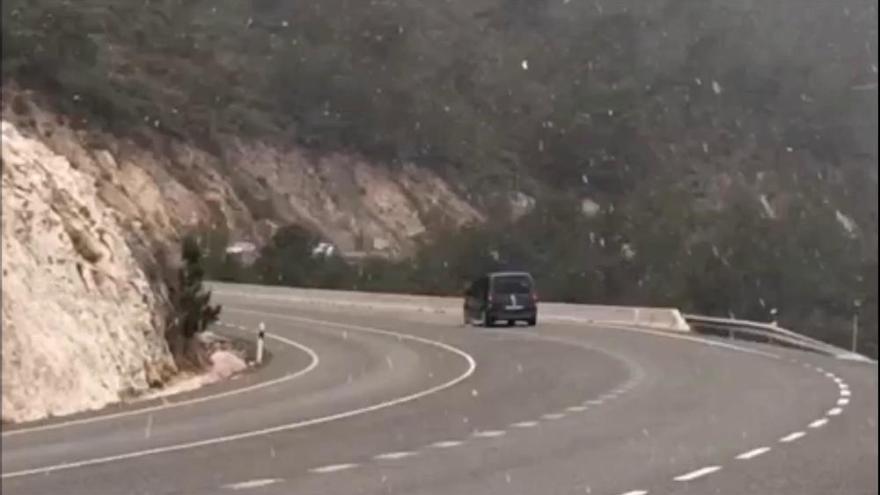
[260, 338]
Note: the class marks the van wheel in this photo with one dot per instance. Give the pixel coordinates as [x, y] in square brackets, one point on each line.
[511, 323]
[533, 321]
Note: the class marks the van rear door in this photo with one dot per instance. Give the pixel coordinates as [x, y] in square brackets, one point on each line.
[513, 292]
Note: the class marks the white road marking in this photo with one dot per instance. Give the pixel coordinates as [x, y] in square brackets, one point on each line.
[472, 366]
[830, 375]
[332, 468]
[792, 437]
[842, 402]
[818, 423]
[576, 408]
[490, 433]
[636, 492]
[245, 485]
[552, 416]
[698, 340]
[698, 473]
[446, 444]
[834, 411]
[753, 453]
[314, 360]
[393, 456]
[594, 402]
[524, 424]
[845, 393]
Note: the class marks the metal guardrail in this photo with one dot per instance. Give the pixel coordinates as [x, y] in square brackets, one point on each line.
[766, 333]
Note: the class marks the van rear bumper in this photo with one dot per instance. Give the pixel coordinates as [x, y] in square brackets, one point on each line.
[514, 314]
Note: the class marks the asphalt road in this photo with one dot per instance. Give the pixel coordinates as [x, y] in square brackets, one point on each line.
[377, 403]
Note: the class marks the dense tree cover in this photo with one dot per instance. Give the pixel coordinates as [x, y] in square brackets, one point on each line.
[679, 117]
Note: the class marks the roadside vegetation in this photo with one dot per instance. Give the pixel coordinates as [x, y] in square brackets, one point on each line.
[192, 311]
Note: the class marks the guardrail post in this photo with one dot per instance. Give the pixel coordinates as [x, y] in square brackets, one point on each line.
[260, 338]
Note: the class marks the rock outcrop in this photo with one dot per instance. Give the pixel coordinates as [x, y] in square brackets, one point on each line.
[81, 320]
[89, 216]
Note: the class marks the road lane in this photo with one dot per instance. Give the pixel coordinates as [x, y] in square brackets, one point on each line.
[557, 409]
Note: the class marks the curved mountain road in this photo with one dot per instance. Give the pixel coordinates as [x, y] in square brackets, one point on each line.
[376, 403]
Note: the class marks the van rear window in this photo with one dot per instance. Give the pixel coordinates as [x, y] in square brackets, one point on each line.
[511, 285]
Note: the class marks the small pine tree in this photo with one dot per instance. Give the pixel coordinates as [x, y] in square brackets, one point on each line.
[193, 305]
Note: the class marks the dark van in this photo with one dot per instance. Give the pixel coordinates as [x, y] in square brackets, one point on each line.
[507, 296]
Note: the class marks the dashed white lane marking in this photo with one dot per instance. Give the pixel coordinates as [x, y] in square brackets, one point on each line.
[834, 411]
[576, 409]
[472, 366]
[490, 433]
[753, 453]
[392, 456]
[332, 468]
[524, 424]
[594, 402]
[792, 437]
[830, 375]
[313, 358]
[446, 444]
[636, 492]
[842, 402]
[699, 473]
[246, 485]
[818, 423]
[845, 393]
[552, 416]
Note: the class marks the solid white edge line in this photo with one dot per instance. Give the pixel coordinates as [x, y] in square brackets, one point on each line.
[314, 361]
[472, 365]
[699, 473]
[689, 338]
[753, 453]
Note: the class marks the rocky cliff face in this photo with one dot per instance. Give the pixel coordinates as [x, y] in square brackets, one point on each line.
[88, 218]
[81, 320]
[248, 189]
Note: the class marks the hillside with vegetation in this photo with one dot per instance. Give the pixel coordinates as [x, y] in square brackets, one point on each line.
[719, 157]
